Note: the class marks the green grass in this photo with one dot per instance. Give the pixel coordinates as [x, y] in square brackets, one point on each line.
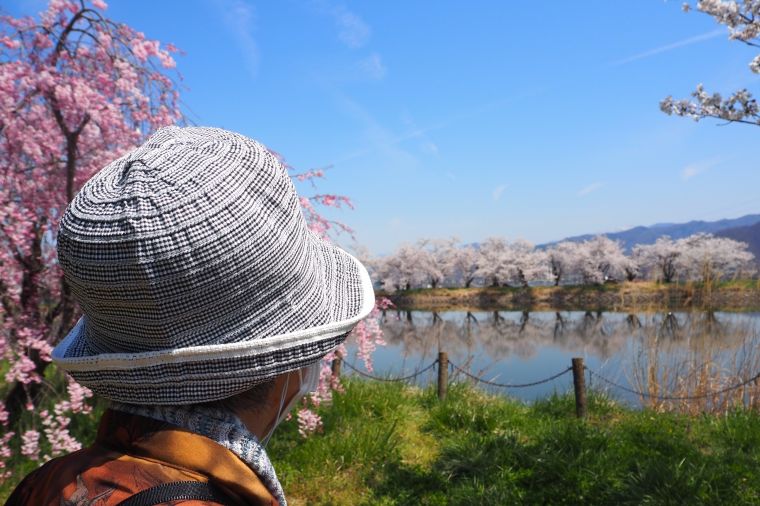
[389, 444]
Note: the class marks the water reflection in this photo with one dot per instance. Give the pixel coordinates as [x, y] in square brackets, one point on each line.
[516, 347]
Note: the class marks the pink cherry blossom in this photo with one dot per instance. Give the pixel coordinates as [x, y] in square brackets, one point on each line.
[67, 107]
[30, 444]
[743, 23]
[308, 422]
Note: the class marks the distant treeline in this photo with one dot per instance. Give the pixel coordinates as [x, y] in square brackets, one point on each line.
[432, 263]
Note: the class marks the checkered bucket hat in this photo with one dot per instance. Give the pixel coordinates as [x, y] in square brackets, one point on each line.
[197, 274]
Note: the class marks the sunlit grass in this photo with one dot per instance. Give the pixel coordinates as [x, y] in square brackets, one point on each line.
[390, 444]
[387, 444]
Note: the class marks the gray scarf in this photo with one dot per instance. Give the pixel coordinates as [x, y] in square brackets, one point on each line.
[223, 427]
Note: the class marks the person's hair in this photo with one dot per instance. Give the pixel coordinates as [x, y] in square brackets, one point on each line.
[254, 398]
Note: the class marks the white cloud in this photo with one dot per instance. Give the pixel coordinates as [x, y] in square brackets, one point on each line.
[694, 169]
[426, 144]
[416, 132]
[373, 66]
[670, 47]
[498, 191]
[381, 139]
[240, 18]
[429, 147]
[352, 30]
[590, 188]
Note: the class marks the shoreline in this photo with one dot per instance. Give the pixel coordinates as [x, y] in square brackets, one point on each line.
[736, 296]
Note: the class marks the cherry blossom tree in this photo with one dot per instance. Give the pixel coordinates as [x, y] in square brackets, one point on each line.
[699, 257]
[494, 264]
[707, 258]
[76, 91]
[564, 260]
[743, 21]
[385, 273]
[602, 259]
[497, 262]
[463, 262]
[661, 259]
[529, 264]
[432, 259]
[402, 270]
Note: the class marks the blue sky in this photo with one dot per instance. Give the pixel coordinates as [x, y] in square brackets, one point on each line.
[536, 120]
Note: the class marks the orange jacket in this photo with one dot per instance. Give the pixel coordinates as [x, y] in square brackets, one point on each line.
[132, 453]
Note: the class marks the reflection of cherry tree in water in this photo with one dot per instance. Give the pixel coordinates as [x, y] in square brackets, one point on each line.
[495, 334]
[660, 354]
[694, 354]
[592, 325]
[502, 334]
[560, 325]
[634, 322]
[670, 326]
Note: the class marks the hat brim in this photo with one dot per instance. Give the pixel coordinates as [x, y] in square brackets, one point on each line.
[206, 373]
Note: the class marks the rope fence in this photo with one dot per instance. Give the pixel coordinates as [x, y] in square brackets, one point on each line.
[696, 397]
[510, 385]
[579, 381]
[380, 378]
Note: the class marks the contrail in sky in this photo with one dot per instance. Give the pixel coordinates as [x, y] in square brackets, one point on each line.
[670, 47]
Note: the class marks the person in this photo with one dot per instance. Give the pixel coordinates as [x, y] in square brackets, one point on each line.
[207, 306]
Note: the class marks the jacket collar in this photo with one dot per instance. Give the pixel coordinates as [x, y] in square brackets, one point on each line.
[144, 437]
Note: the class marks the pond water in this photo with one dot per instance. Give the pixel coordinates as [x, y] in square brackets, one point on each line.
[655, 352]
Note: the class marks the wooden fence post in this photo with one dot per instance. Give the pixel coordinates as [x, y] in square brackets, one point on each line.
[336, 367]
[443, 374]
[579, 384]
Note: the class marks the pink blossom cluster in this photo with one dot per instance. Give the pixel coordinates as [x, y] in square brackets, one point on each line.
[76, 91]
[5, 438]
[308, 422]
[30, 444]
[5, 454]
[742, 18]
[56, 429]
[318, 223]
[367, 335]
[78, 396]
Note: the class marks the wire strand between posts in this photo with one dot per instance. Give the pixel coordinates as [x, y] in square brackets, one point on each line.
[379, 378]
[511, 385]
[673, 397]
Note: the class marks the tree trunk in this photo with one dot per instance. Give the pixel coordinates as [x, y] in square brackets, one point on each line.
[20, 395]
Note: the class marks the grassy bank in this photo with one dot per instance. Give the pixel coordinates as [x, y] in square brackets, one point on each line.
[390, 444]
[740, 295]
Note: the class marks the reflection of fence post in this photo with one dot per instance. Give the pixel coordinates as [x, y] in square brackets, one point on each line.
[336, 367]
[443, 374]
[579, 383]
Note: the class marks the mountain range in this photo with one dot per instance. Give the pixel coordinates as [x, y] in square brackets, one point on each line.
[745, 228]
[749, 234]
